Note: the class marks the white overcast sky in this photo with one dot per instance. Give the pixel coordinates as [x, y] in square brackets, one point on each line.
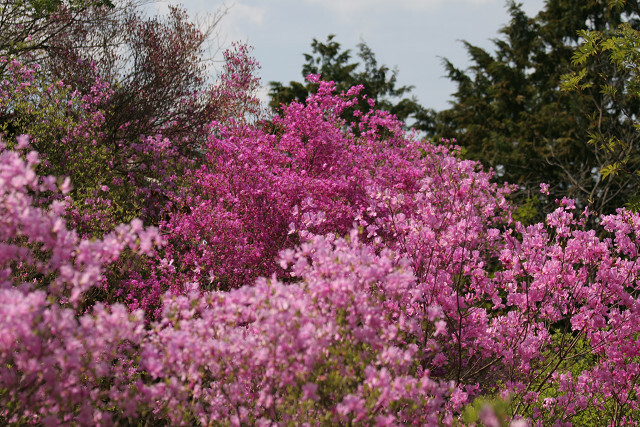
[410, 35]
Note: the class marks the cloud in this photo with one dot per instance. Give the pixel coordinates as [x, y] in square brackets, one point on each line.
[263, 95]
[252, 14]
[239, 16]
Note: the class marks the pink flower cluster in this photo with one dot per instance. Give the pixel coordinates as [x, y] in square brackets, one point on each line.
[326, 347]
[54, 361]
[261, 189]
[313, 272]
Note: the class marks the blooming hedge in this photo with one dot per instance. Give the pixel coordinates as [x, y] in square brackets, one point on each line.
[301, 270]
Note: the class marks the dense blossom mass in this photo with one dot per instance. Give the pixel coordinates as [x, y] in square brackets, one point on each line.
[294, 269]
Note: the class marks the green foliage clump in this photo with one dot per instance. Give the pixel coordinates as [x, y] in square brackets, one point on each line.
[332, 63]
[607, 62]
[510, 110]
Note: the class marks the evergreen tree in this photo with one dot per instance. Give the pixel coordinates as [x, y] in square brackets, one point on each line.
[335, 64]
[511, 113]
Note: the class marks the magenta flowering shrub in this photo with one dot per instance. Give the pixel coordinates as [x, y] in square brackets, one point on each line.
[115, 179]
[328, 348]
[310, 271]
[577, 295]
[532, 313]
[496, 307]
[37, 248]
[57, 366]
[59, 369]
[62, 367]
[260, 190]
[117, 176]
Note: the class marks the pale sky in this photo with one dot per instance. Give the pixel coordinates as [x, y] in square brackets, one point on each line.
[410, 35]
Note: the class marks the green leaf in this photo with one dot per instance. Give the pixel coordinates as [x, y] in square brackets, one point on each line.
[610, 170]
[571, 81]
[588, 48]
[609, 89]
[616, 4]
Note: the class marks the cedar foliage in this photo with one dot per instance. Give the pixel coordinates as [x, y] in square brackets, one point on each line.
[510, 112]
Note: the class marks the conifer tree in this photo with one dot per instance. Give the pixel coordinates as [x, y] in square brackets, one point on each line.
[335, 64]
[510, 111]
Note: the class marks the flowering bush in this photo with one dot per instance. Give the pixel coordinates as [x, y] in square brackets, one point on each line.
[314, 271]
[54, 361]
[260, 191]
[327, 348]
